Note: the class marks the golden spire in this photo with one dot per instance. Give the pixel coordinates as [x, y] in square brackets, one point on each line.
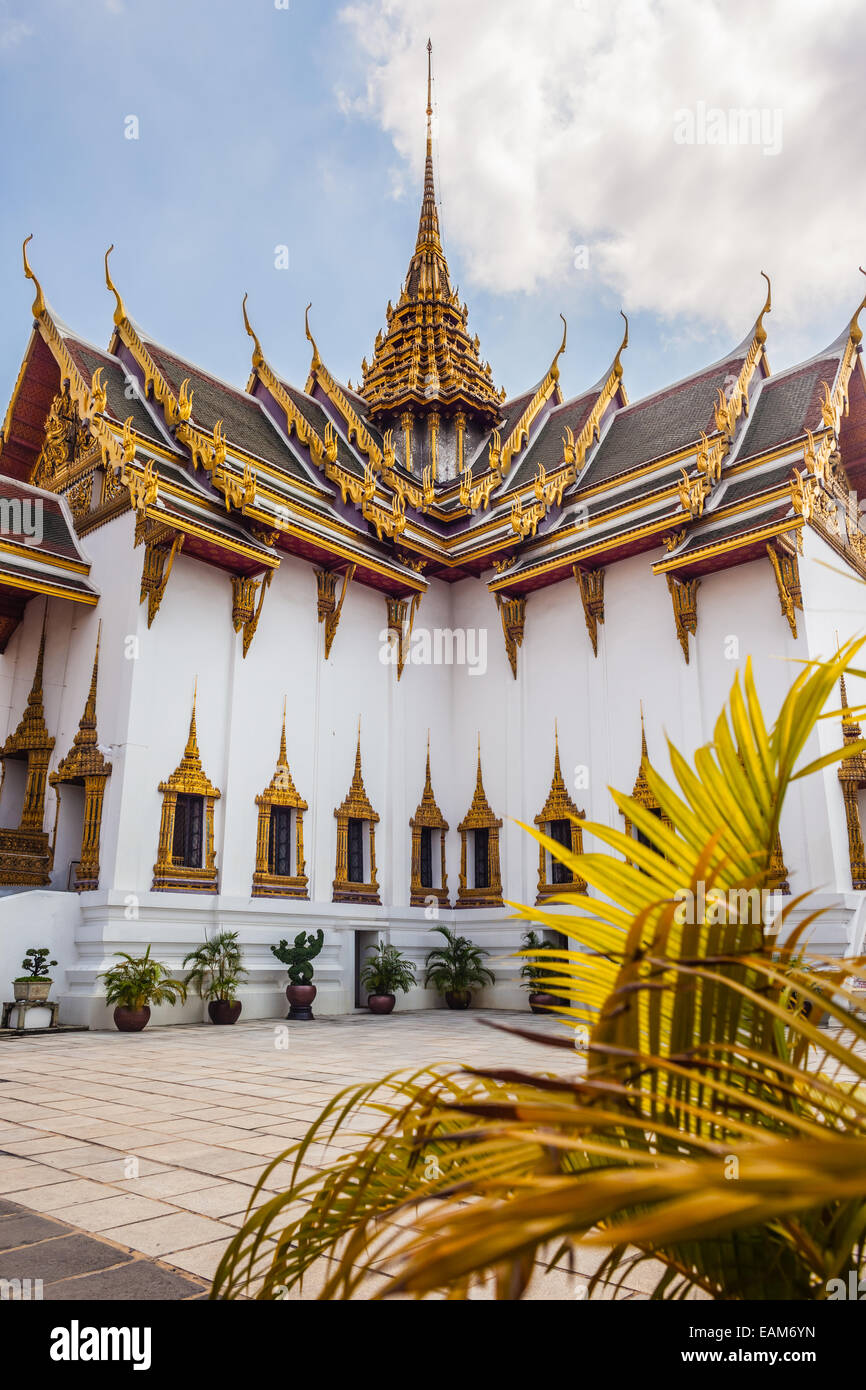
[39, 301]
[427, 781]
[85, 758]
[557, 770]
[191, 756]
[87, 726]
[426, 358]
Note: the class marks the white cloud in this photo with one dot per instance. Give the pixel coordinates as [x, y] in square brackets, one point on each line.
[557, 128]
[12, 32]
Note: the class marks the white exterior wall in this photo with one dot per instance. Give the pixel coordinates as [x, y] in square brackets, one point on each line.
[144, 706]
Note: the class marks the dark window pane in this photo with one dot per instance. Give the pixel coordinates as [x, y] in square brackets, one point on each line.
[280, 841]
[560, 831]
[482, 858]
[355, 851]
[186, 848]
[426, 857]
[639, 835]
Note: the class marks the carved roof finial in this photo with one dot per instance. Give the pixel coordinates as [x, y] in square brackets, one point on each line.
[258, 355]
[760, 330]
[316, 358]
[855, 330]
[119, 310]
[617, 361]
[39, 301]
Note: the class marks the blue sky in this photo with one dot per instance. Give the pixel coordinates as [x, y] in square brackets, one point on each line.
[262, 126]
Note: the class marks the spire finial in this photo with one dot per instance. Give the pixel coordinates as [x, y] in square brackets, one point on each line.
[760, 330]
[429, 91]
[316, 358]
[856, 330]
[39, 301]
[617, 361]
[119, 310]
[643, 747]
[283, 754]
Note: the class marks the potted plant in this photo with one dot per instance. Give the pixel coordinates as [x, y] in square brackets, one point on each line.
[533, 973]
[385, 971]
[455, 967]
[134, 985]
[300, 991]
[36, 984]
[216, 973]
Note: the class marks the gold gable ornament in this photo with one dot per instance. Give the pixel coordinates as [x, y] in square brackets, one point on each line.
[356, 807]
[193, 837]
[280, 793]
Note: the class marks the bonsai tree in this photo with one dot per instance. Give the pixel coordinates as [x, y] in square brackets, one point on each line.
[36, 964]
[384, 973]
[454, 968]
[298, 958]
[216, 968]
[138, 981]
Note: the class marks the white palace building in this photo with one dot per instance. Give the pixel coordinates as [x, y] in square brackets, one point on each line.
[280, 657]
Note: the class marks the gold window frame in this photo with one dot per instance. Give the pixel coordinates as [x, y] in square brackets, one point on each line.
[356, 806]
[559, 806]
[427, 816]
[280, 791]
[480, 816]
[188, 779]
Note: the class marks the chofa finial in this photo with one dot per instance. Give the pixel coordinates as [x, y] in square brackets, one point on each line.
[258, 355]
[760, 330]
[119, 310]
[39, 301]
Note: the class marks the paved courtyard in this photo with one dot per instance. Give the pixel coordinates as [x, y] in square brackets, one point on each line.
[150, 1144]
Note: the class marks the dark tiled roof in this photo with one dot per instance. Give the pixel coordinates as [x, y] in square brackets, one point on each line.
[787, 406]
[318, 417]
[738, 489]
[546, 447]
[660, 425]
[739, 526]
[119, 405]
[245, 421]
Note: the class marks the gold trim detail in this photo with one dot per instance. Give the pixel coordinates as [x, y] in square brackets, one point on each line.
[161, 545]
[512, 613]
[591, 586]
[641, 791]
[188, 779]
[328, 608]
[684, 596]
[787, 571]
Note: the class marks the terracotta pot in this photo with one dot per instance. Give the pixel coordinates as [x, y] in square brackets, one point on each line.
[31, 989]
[539, 1002]
[300, 999]
[131, 1020]
[224, 1010]
[458, 998]
[381, 1003]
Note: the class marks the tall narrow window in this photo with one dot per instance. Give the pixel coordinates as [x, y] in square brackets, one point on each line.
[280, 841]
[425, 862]
[186, 846]
[185, 858]
[560, 831]
[279, 871]
[482, 858]
[480, 874]
[560, 820]
[355, 850]
[427, 870]
[355, 877]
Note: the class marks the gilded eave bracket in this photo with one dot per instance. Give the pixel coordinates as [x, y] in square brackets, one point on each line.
[329, 608]
[786, 569]
[591, 586]
[684, 596]
[512, 612]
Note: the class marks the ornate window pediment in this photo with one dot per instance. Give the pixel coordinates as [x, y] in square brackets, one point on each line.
[559, 819]
[428, 826]
[355, 878]
[186, 861]
[480, 875]
[26, 857]
[279, 871]
[85, 766]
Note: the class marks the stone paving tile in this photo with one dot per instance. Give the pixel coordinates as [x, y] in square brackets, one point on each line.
[138, 1281]
[171, 1183]
[179, 1231]
[61, 1194]
[65, 1255]
[25, 1229]
[117, 1210]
